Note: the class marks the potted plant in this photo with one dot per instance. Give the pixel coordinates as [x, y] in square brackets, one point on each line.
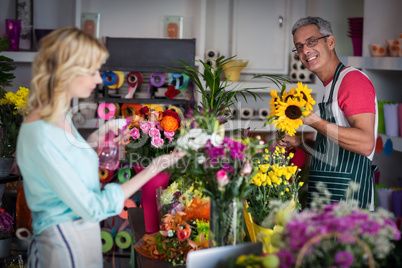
[10, 118]
[6, 228]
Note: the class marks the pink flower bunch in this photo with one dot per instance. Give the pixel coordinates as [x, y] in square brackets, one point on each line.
[376, 229]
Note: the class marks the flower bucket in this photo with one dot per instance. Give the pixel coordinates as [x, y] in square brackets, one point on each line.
[148, 199]
[5, 247]
[6, 163]
[226, 222]
[233, 68]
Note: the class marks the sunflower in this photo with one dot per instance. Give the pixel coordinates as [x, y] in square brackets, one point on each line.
[306, 95]
[274, 102]
[289, 114]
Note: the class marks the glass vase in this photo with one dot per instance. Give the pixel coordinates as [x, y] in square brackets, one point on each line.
[226, 222]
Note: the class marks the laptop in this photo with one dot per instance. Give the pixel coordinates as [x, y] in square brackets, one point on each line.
[221, 256]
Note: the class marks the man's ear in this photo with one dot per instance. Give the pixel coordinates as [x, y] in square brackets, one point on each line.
[331, 42]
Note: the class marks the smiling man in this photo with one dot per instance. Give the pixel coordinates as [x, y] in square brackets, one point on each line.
[347, 125]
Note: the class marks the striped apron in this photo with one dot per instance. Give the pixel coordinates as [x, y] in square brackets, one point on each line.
[335, 166]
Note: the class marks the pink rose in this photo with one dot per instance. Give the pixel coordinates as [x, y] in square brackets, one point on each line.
[135, 133]
[222, 178]
[144, 127]
[247, 169]
[169, 134]
[157, 142]
[154, 133]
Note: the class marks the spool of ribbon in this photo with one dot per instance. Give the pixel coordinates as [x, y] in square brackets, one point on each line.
[156, 80]
[105, 175]
[123, 239]
[106, 111]
[179, 81]
[117, 113]
[134, 80]
[107, 240]
[129, 203]
[113, 79]
[177, 110]
[124, 175]
[155, 107]
[130, 109]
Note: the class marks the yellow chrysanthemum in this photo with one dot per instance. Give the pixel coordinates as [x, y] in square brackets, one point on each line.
[264, 168]
[289, 113]
[306, 95]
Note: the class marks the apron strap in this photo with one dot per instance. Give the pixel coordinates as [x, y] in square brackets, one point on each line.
[336, 76]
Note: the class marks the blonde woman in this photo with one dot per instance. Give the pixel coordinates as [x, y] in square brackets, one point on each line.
[59, 168]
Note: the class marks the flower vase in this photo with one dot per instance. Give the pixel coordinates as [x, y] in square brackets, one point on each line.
[148, 199]
[6, 164]
[226, 222]
[5, 247]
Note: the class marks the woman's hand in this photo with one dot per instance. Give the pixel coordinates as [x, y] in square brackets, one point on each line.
[162, 162]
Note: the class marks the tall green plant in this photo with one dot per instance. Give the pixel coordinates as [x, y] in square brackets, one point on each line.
[5, 64]
[216, 95]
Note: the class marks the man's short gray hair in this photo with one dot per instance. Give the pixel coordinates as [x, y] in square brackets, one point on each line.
[324, 26]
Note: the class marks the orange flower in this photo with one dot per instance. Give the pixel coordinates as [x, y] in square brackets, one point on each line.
[169, 123]
[183, 234]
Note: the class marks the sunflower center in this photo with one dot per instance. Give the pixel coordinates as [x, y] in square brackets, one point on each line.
[293, 112]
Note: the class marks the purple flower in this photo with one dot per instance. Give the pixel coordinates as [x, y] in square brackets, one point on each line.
[227, 167]
[286, 258]
[343, 259]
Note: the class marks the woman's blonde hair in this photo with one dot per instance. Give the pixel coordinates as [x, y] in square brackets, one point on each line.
[64, 54]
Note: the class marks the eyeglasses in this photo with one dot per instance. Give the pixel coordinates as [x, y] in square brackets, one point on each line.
[310, 42]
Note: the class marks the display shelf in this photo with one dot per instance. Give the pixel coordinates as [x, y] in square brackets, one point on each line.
[257, 125]
[135, 100]
[356, 62]
[396, 141]
[383, 63]
[9, 178]
[20, 56]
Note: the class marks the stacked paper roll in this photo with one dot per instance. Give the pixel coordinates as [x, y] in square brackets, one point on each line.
[391, 119]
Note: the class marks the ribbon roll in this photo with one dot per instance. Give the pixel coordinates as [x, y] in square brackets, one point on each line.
[109, 78]
[117, 113]
[179, 81]
[123, 239]
[177, 110]
[105, 175]
[130, 109]
[113, 79]
[127, 204]
[124, 175]
[156, 80]
[155, 107]
[107, 240]
[134, 79]
[106, 111]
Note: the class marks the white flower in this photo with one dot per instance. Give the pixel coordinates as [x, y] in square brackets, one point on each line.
[199, 142]
[216, 139]
[201, 159]
[170, 233]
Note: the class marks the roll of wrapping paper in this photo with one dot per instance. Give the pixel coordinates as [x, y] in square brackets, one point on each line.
[156, 80]
[119, 82]
[123, 239]
[106, 111]
[391, 119]
[177, 110]
[381, 124]
[130, 109]
[129, 203]
[107, 240]
[124, 175]
[117, 113]
[105, 175]
[179, 81]
[109, 78]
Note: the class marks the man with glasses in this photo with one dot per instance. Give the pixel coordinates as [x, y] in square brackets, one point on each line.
[347, 125]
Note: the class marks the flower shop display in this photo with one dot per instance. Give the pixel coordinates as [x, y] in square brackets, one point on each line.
[276, 180]
[287, 108]
[151, 134]
[222, 167]
[334, 235]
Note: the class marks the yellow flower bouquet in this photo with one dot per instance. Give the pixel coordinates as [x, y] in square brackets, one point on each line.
[11, 119]
[276, 181]
[287, 108]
